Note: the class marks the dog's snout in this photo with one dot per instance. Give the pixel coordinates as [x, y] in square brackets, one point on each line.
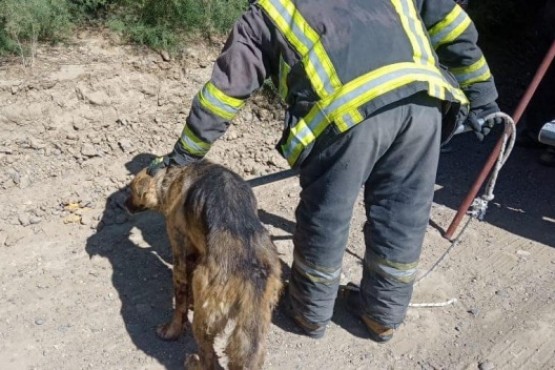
[130, 206]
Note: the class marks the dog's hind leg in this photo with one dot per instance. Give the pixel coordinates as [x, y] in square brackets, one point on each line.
[209, 320]
[173, 329]
[246, 346]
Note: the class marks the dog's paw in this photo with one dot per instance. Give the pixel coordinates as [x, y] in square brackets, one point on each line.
[193, 363]
[169, 331]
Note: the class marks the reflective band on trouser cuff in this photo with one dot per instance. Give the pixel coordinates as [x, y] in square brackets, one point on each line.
[284, 70]
[192, 144]
[450, 28]
[401, 272]
[318, 66]
[316, 274]
[355, 94]
[216, 102]
[476, 72]
[415, 31]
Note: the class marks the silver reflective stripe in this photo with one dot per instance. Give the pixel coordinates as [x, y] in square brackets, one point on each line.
[402, 276]
[348, 120]
[192, 147]
[214, 101]
[450, 32]
[316, 274]
[415, 26]
[309, 45]
[477, 72]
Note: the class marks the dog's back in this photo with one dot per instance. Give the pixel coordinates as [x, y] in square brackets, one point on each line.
[238, 274]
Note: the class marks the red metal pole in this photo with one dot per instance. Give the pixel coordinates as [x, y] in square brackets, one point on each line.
[467, 202]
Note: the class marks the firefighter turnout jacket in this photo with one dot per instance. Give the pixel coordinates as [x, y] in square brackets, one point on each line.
[335, 62]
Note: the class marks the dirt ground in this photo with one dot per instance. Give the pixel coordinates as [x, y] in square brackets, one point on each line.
[82, 286]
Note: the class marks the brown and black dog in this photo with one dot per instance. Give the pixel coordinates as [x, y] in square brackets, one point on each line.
[222, 254]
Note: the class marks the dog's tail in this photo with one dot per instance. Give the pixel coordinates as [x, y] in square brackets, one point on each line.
[247, 343]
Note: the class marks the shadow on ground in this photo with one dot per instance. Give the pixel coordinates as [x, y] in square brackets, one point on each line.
[139, 250]
[524, 201]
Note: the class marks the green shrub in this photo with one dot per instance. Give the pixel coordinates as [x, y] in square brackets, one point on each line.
[162, 23]
[24, 22]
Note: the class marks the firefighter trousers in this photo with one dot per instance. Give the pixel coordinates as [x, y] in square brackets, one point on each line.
[393, 157]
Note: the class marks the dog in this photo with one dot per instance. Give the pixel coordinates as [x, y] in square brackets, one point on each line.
[224, 259]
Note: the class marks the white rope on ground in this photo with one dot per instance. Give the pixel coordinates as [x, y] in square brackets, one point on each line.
[427, 305]
[480, 204]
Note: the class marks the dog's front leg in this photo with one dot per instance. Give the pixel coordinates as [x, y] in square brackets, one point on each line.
[173, 329]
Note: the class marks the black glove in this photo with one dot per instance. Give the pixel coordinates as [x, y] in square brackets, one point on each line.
[479, 121]
[177, 158]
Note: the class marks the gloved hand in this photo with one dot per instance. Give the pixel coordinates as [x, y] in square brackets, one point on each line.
[478, 120]
[177, 158]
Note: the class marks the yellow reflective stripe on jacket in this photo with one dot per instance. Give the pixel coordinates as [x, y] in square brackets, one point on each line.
[414, 29]
[216, 102]
[192, 143]
[358, 92]
[450, 28]
[307, 43]
[284, 70]
[476, 72]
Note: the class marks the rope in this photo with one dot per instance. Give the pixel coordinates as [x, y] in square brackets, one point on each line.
[480, 204]
[454, 243]
[439, 304]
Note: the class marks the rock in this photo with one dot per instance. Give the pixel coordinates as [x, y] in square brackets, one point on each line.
[12, 239]
[24, 219]
[486, 365]
[191, 52]
[14, 175]
[274, 160]
[24, 181]
[72, 219]
[95, 138]
[88, 150]
[33, 219]
[523, 253]
[87, 218]
[248, 116]
[72, 137]
[502, 293]
[232, 136]
[93, 97]
[79, 125]
[474, 311]
[125, 145]
[36, 144]
[6, 150]
[165, 56]
[39, 321]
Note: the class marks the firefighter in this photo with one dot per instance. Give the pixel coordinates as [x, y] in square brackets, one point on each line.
[371, 87]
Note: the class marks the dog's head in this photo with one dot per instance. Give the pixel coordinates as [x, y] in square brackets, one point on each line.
[144, 194]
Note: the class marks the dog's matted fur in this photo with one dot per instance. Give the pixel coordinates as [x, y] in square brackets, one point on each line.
[222, 251]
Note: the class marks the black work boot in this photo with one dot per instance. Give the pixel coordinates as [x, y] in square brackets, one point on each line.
[350, 293]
